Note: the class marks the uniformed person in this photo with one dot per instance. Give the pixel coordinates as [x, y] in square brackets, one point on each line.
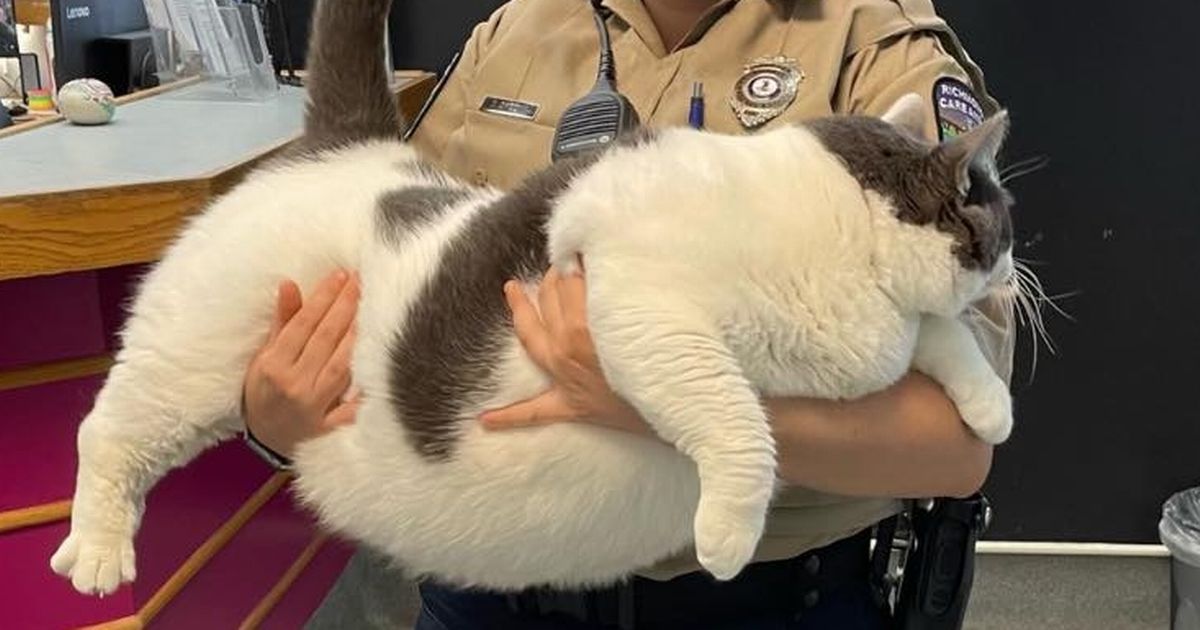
[760, 64]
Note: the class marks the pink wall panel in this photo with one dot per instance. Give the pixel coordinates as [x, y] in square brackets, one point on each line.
[182, 512]
[32, 597]
[50, 318]
[240, 575]
[116, 287]
[37, 440]
[76, 315]
[188, 506]
[309, 590]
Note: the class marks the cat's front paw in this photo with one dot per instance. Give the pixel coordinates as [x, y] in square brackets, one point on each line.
[988, 411]
[96, 563]
[726, 537]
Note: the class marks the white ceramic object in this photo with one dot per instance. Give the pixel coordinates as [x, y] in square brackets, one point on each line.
[86, 102]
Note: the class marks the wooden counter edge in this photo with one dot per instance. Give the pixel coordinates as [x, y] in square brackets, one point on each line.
[25, 217]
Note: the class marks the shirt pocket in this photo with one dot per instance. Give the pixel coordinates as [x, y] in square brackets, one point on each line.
[502, 150]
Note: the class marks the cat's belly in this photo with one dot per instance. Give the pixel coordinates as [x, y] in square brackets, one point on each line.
[569, 505]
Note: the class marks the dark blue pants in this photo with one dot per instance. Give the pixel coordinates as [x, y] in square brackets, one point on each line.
[825, 589]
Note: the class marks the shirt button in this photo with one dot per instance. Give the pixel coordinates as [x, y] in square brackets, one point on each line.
[811, 599]
[481, 178]
[812, 565]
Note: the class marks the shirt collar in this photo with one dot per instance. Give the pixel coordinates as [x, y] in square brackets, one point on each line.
[634, 13]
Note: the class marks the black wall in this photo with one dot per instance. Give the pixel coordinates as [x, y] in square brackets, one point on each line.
[424, 34]
[1108, 92]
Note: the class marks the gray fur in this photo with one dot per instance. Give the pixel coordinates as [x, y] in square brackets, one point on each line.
[428, 172]
[350, 100]
[923, 182]
[406, 209]
[446, 353]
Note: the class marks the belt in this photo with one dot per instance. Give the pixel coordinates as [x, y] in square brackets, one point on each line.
[781, 587]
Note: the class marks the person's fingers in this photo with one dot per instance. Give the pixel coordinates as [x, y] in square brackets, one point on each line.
[548, 303]
[335, 376]
[330, 332]
[572, 300]
[341, 415]
[294, 335]
[546, 408]
[287, 302]
[527, 324]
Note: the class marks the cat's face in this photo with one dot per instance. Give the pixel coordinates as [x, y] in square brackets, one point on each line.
[949, 192]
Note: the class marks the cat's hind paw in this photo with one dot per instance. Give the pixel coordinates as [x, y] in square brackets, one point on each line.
[725, 539]
[96, 564]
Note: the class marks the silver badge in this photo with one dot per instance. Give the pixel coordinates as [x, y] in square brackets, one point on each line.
[768, 85]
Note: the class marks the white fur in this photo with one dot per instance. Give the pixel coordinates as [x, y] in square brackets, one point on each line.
[753, 266]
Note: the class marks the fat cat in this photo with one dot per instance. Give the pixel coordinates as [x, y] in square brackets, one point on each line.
[823, 259]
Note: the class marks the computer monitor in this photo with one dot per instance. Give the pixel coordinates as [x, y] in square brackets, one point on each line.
[77, 23]
[8, 29]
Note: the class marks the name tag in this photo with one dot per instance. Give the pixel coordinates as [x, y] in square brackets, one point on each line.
[508, 107]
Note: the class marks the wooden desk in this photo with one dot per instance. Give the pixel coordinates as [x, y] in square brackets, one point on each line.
[81, 198]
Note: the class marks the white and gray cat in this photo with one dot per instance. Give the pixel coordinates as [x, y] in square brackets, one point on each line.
[824, 259]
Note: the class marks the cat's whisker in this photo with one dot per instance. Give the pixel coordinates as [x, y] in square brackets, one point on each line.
[1035, 289]
[1028, 295]
[1039, 295]
[1029, 161]
[1062, 296]
[1023, 168]
[1028, 262]
[1029, 317]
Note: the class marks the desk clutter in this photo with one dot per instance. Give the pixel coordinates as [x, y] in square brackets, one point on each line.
[78, 56]
[80, 102]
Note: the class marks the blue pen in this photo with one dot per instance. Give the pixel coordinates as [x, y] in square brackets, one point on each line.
[696, 107]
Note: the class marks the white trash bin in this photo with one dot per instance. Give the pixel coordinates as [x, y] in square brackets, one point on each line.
[1179, 530]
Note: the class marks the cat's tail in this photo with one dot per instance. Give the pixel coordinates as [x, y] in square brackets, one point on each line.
[349, 100]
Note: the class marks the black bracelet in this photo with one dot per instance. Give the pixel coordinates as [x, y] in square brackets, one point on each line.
[277, 461]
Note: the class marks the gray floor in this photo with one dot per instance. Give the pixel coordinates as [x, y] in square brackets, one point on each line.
[1011, 592]
[1066, 593]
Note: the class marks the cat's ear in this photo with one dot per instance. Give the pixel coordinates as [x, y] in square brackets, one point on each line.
[908, 113]
[978, 146]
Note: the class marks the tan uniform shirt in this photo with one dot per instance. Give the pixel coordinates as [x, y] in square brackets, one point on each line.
[855, 56]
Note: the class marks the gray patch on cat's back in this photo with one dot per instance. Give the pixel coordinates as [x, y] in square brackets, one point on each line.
[447, 352]
[425, 171]
[403, 210]
[881, 159]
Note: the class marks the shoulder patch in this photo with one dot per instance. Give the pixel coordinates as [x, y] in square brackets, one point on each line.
[956, 107]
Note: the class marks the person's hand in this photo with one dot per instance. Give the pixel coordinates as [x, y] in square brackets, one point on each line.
[296, 386]
[558, 341]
